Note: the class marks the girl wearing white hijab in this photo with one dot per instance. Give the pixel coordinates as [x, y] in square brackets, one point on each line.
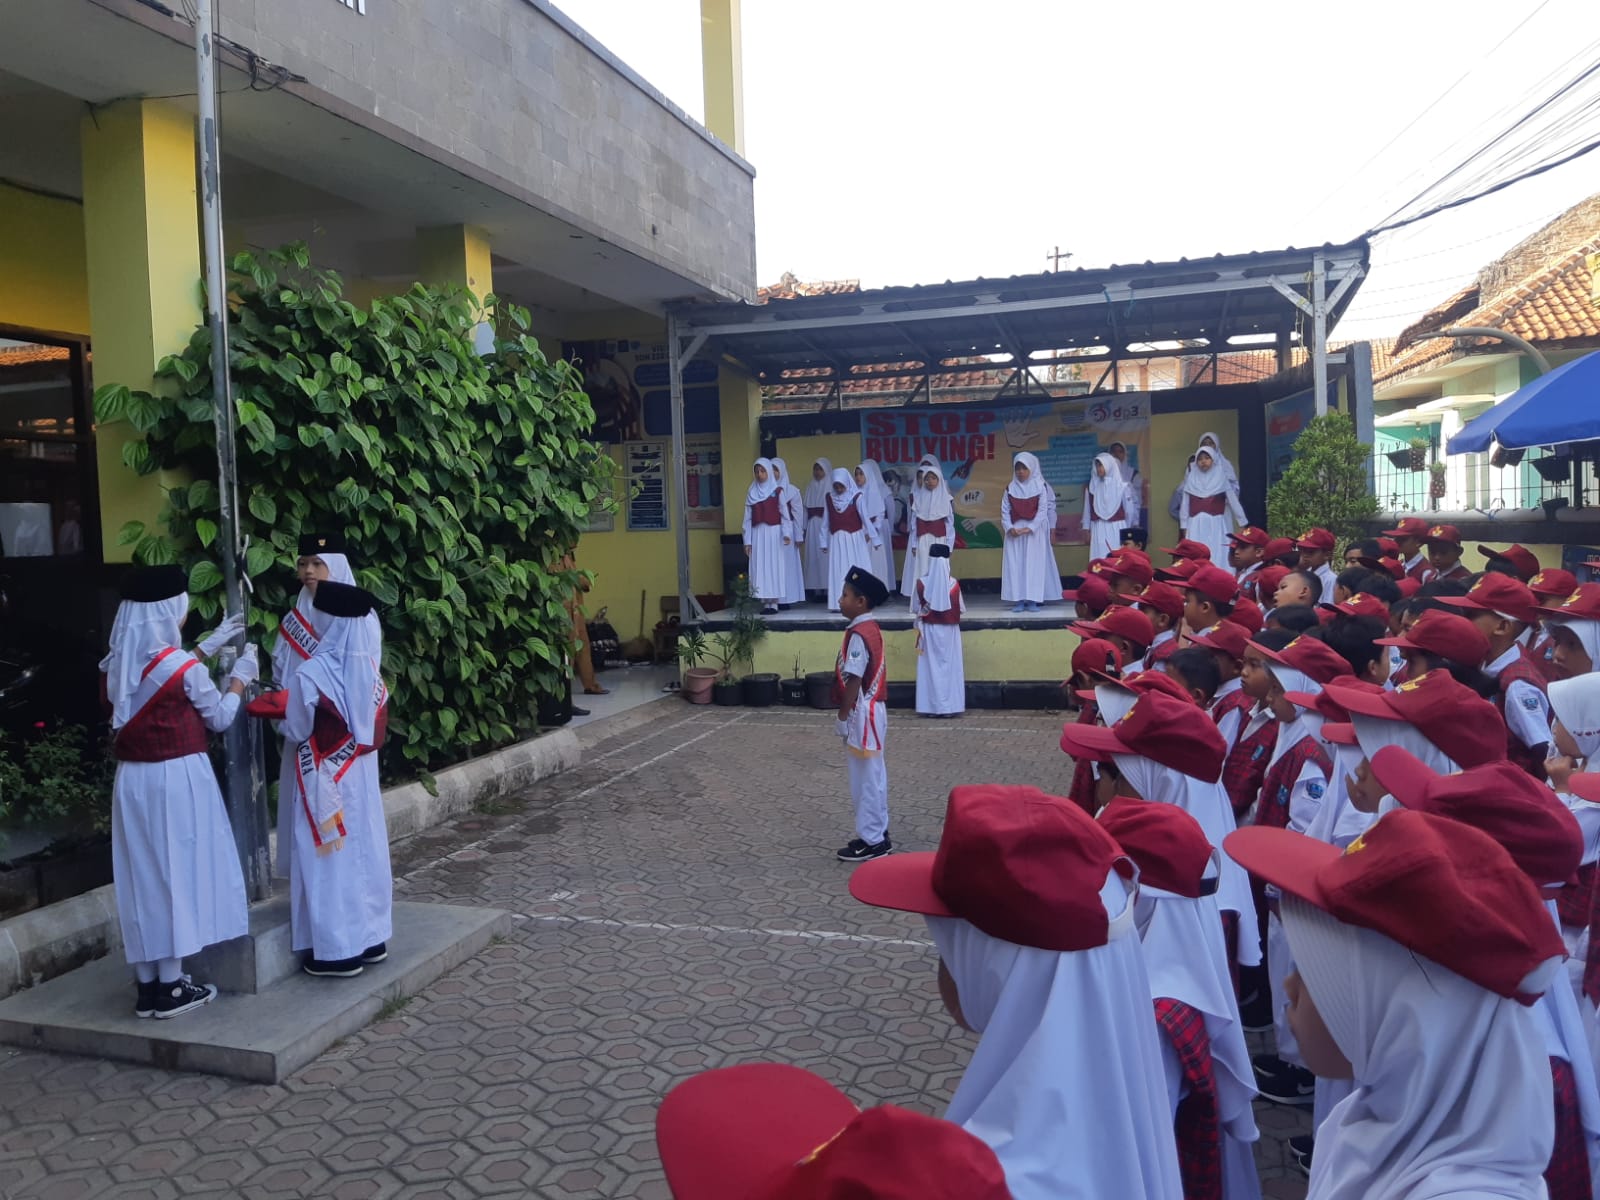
[941, 671]
[768, 536]
[847, 534]
[341, 891]
[1028, 518]
[794, 583]
[933, 521]
[1209, 508]
[1211, 442]
[178, 882]
[880, 508]
[815, 542]
[1109, 507]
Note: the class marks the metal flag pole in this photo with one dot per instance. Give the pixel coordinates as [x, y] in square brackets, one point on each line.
[243, 782]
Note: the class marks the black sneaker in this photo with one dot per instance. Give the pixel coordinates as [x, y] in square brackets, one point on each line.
[859, 851]
[375, 954]
[1283, 1082]
[1300, 1148]
[1255, 1007]
[145, 1005]
[181, 996]
[339, 968]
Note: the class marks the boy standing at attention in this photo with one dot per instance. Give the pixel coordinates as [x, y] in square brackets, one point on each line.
[862, 685]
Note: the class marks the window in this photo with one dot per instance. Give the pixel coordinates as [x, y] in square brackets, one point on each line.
[47, 480]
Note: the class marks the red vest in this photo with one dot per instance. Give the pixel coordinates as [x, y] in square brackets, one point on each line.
[328, 728]
[1207, 506]
[1159, 654]
[1278, 784]
[1023, 510]
[1198, 1125]
[167, 727]
[766, 512]
[1236, 701]
[1250, 583]
[876, 681]
[1082, 791]
[1525, 669]
[950, 616]
[933, 528]
[848, 521]
[1246, 764]
[1459, 571]
[1420, 571]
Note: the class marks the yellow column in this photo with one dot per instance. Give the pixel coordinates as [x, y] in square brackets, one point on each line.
[739, 398]
[722, 66]
[142, 242]
[456, 254]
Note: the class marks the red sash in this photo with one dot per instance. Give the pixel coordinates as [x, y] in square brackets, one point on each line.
[295, 630]
[1023, 510]
[766, 512]
[933, 528]
[875, 683]
[164, 725]
[848, 521]
[1246, 764]
[322, 762]
[1208, 506]
[1198, 1124]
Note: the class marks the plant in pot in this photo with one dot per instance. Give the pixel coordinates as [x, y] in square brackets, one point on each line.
[1416, 454]
[794, 689]
[736, 646]
[693, 651]
[1436, 482]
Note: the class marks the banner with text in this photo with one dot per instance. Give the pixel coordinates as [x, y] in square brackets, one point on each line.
[975, 447]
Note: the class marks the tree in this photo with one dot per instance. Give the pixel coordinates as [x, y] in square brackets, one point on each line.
[1327, 484]
[461, 482]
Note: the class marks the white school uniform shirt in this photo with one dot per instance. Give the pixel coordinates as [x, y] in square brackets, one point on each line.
[1527, 708]
[1329, 580]
[864, 728]
[1233, 722]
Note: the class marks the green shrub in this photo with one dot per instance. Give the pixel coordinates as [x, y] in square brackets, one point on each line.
[461, 482]
[54, 779]
[1326, 485]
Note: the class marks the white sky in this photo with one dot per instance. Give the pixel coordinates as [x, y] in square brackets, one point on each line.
[915, 141]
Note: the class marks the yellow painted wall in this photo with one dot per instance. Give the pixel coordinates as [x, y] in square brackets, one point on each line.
[44, 276]
[1173, 437]
[740, 401]
[989, 654]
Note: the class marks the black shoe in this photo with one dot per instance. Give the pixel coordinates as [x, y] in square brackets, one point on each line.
[339, 968]
[1255, 1006]
[579, 712]
[1283, 1082]
[145, 1005]
[1300, 1148]
[375, 954]
[859, 851]
[181, 996]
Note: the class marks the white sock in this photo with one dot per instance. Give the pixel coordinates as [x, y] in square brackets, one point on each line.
[144, 972]
[169, 969]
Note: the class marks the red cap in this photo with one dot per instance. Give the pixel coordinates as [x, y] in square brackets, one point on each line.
[1408, 587]
[1127, 623]
[1225, 637]
[1180, 571]
[1278, 547]
[1415, 527]
[1214, 584]
[1439, 888]
[1091, 590]
[1498, 593]
[1126, 563]
[1327, 703]
[1268, 579]
[1553, 583]
[1446, 534]
[1585, 785]
[1188, 548]
[1250, 535]
[1169, 732]
[1388, 547]
[1500, 798]
[1098, 657]
[1310, 656]
[1316, 539]
[766, 1131]
[1582, 605]
[1445, 634]
[1518, 555]
[1162, 597]
[1248, 613]
[1362, 604]
[1339, 732]
[1022, 866]
[1156, 680]
[1166, 844]
[1390, 566]
[1451, 715]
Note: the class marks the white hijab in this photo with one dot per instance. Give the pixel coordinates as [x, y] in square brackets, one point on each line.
[1018, 490]
[851, 491]
[1452, 1095]
[817, 489]
[782, 470]
[1576, 704]
[338, 572]
[876, 490]
[760, 491]
[138, 634]
[936, 583]
[1307, 722]
[1338, 822]
[1223, 464]
[934, 505]
[1207, 483]
[1374, 733]
[1208, 804]
[1067, 1083]
[1106, 493]
[344, 668]
[1126, 468]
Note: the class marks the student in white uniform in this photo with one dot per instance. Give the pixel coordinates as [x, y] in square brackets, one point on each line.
[341, 891]
[846, 534]
[1109, 507]
[176, 872]
[861, 680]
[933, 521]
[1209, 507]
[1027, 518]
[814, 546]
[941, 672]
[794, 583]
[768, 536]
[879, 506]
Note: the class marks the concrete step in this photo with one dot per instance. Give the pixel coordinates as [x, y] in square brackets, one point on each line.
[263, 1037]
[258, 960]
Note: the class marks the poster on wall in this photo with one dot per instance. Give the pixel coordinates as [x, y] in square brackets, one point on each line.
[975, 447]
[644, 467]
[702, 467]
[628, 383]
[1286, 420]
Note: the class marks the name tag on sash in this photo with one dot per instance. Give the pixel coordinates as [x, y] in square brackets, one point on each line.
[300, 635]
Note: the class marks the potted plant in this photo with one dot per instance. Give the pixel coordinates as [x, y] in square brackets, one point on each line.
[1399, 458]
[1326, 483]
[737, 645]
[794, 689]
[698, 679]
[1436, 482]
[1416, 454]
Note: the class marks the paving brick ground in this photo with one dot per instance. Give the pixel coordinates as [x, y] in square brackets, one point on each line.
[679, 908]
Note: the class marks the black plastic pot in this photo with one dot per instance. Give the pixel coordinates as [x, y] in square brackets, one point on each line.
[727, 694]
[1554, 468]
[1399, 458]
[760, 691]
[794, 692]
[1035, 694]
[819, 690]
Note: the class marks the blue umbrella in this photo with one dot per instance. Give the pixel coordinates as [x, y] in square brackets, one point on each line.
[1561, 406]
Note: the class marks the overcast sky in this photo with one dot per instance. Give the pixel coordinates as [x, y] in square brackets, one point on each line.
[914, 141]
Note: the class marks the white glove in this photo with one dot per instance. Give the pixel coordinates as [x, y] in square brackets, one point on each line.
[232, 626]
[842, 728]
[247, 669]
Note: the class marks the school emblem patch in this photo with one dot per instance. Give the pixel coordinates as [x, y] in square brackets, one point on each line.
[1531, 702]
[1314, 789]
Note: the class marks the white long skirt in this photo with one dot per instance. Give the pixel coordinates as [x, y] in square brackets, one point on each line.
[1028, 569]
[1213, 531]
[178, 881]
[765, 567]
[1105, 537]
[941, 673]
[815, 561]
[794, 578]
[340, 903]
[916, 564]
[845, 550]
[883, 562]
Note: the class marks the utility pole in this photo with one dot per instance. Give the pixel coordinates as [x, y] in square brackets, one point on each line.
[1057, 257]
[246, 797]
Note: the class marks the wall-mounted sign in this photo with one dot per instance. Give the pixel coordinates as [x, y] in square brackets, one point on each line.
[644, 466]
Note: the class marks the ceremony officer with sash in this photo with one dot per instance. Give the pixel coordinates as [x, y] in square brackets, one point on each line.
[340, 888]
[177, 875]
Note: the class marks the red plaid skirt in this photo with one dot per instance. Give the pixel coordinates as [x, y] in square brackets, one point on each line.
[1198, 1125]
[1567, 1176]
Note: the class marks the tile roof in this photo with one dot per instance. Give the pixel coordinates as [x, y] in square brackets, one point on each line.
[790, 288]
[26, 356]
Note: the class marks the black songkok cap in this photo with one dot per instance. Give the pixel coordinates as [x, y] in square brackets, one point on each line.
[149, 585]
[938, 550]
[343, 600]
[867, 585]
[313, 544]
